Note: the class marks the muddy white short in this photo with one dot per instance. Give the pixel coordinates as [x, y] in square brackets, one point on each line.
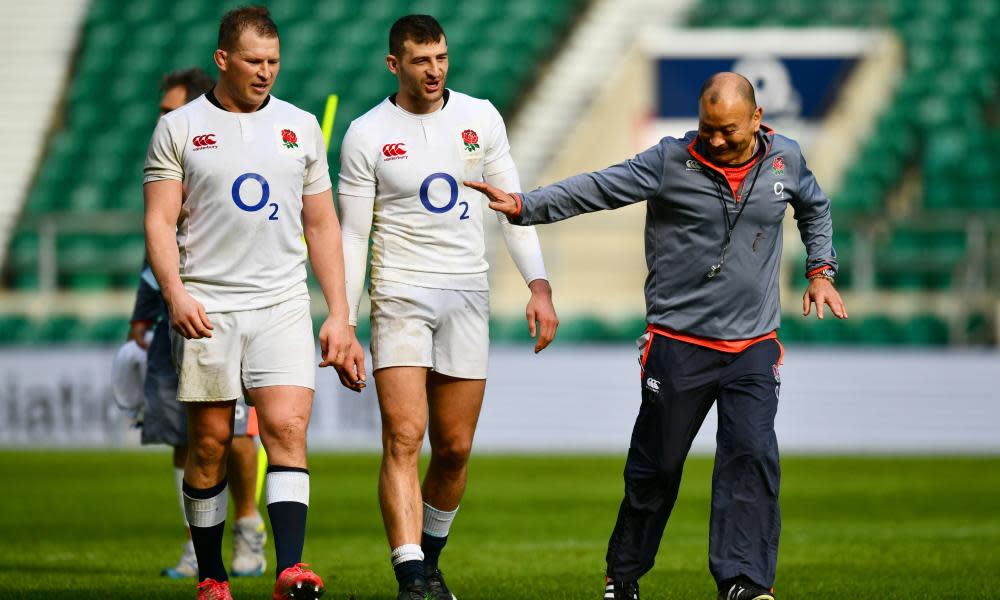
[248, 349]
[447, 331]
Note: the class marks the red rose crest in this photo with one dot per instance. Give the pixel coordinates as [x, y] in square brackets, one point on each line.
[289, 138]
[778, 166]
[471, 140]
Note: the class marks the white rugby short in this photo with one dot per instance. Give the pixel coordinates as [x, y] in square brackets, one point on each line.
[447, 331]
[248, 349]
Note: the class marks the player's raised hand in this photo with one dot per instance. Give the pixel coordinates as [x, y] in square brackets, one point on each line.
[188, 317]
[500, 200]
[541, 314]
[820, 292]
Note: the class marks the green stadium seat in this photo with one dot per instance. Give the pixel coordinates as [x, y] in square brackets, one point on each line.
[920, 258]
[791, 329]
[87, 281]
[830, 330]
[80, 253]
[24, 251]
[332, 14]
[15, 329]
[843, 243]
[187, 11]
[979, 329]
[284, 12]
[630, 328]
[105, 330]
[859, 193]
[879, 330]
[510, 330]
[87, 197]
[58, 329]
[937, 113]
[925, 330]
[105, 38]
[586, 328]
[26, 281]
[944, 156]
[128, 254]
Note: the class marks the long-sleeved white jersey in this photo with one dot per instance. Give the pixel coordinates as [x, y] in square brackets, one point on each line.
[401, 180]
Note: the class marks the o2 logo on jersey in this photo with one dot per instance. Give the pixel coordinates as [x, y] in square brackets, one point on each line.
[425, 198]
[265, 194]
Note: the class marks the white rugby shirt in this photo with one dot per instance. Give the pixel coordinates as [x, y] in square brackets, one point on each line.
[244, 175]
[401, 179]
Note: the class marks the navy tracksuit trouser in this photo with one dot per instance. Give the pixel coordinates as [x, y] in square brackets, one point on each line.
[680, 382]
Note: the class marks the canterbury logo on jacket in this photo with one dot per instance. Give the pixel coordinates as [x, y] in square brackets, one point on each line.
[686, 229]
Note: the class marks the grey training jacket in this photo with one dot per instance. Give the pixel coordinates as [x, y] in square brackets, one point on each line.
[686, 229]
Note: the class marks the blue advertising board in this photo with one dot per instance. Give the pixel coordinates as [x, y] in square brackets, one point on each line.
[786, 86]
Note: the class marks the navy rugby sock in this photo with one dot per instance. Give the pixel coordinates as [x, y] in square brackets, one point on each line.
[432, 547]
[408, 563]
[287, 506]
[206, 512]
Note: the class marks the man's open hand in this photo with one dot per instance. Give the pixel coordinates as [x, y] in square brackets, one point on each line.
[541, 314]
[820, 292]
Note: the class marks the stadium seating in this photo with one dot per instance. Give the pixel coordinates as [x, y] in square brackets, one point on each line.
[952, 74]
[938, 136]
[94, 163]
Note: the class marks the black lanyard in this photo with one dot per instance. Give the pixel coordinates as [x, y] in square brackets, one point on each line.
[717, 268]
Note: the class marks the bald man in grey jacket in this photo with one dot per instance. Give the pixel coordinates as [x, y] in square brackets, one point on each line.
[715, 203]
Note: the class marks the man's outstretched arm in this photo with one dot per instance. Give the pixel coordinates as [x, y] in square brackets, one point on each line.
[628, 182]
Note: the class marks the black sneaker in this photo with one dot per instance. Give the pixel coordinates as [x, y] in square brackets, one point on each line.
[415, 591]
[436, 585]
[620, 590]
[744, 589]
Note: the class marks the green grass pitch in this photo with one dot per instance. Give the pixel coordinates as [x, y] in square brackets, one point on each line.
[88, 524]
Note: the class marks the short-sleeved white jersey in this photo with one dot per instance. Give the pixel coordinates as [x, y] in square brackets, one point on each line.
[428, 227]
[244, 175]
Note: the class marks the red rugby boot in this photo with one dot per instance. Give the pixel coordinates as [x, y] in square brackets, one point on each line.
[298, 583]
[211, 589]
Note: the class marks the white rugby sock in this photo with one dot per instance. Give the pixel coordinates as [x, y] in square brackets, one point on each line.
[179, 480]
[206, 512]
[438, 522]
[406, 553]
[287, 486]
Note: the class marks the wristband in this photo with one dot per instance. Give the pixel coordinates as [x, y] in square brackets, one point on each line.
[828, 274]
